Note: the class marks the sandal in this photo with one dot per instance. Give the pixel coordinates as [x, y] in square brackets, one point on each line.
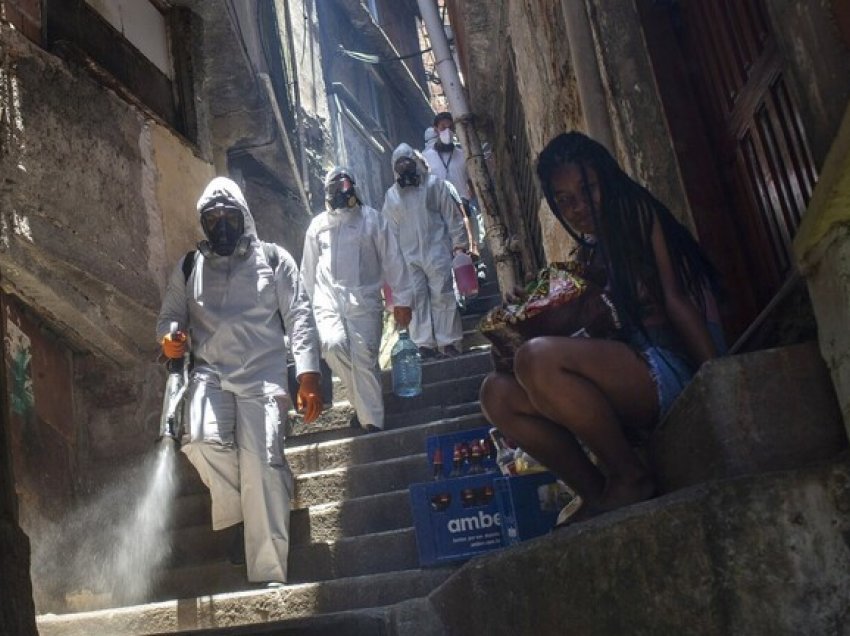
[568, 512]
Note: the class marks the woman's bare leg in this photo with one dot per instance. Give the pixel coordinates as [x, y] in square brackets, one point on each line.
[506, 405]
[590, 387]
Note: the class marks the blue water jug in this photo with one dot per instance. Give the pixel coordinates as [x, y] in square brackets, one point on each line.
[407, 366]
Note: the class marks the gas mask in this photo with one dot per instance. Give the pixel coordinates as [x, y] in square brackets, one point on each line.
[340, 192]
[224, 227]
[405, 168]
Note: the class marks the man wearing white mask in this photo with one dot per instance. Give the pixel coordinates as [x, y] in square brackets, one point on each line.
[348, 252]
[448, 161]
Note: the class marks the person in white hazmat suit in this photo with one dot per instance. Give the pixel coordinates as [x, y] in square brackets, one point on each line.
[424, 217]
[348, 252]
[448, 162]
[234, 306]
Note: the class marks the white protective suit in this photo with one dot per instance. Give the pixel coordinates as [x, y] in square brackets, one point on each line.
[231, 307]
[428, 225]
[348, 253]
[449, 165]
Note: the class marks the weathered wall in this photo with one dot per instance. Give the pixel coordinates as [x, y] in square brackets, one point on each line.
[760, 555]
[822, 248]
[399, 100]
[644, 147]
[79, 204]
[309, 82]
[93, 217]
[547, 84]
[819, 70]
[818, 63]
[537, 35]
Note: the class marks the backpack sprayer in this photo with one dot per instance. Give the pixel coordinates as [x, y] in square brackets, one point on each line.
[171, 420]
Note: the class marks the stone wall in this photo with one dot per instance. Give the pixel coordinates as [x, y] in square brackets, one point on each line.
[96, 205]
[818, 63]
[534, 36]
[306, 71]
[756, 555]
[822, 248]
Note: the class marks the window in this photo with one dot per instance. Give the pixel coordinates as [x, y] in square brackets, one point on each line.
[137, 46]
[143, 25]
[376, 100]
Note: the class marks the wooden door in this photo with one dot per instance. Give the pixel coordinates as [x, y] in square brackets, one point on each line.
[754, 144]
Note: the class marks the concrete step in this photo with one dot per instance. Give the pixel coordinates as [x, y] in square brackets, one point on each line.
[365, 622]
[472, 363]
[352, 517]
[393, 421]
[247, 607]
[473, 339]
[482, 303]
[312, 561]
[306, 458]
[753, 555]
[442, 393]
[312, 457]
[337, 484]
[193, 507]
[748, 414]
[374, 553]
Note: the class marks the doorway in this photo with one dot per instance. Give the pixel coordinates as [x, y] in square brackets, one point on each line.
[743, 152]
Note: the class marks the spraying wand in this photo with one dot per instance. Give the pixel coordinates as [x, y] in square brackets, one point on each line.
[171, 420]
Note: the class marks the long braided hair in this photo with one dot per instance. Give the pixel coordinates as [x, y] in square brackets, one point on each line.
[623, 228]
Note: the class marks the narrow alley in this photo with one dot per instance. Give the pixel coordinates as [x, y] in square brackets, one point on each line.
[698, 204]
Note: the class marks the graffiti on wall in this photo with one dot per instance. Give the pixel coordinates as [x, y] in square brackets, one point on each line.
[19, 362]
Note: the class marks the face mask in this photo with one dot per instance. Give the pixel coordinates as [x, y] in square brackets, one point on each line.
[340, 193]
[223, 227]
[446, 136]
[405, 168]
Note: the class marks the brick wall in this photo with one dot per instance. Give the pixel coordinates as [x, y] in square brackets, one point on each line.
[24, 15]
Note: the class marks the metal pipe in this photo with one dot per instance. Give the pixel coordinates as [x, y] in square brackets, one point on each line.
[594, 105]
[495, 231]
[266, 81]
[296, 90]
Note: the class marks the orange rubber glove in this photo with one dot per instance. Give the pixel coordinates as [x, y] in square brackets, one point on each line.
[174, 344]
[309, 397]
[402, 316]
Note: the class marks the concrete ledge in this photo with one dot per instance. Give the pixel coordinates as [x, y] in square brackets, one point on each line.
[748, 414]
[248, 607]
[754, 555]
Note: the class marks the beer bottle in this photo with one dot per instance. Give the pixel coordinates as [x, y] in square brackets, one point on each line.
[438, 463]
[457, 460]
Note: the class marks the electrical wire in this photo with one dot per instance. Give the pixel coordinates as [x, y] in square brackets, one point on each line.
[368, 58]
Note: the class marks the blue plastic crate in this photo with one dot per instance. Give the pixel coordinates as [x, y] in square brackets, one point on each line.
[446, 444]
[455, 518]
[528, 505]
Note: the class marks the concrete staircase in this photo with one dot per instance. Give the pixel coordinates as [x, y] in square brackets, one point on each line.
[353, 548]
[749, 536]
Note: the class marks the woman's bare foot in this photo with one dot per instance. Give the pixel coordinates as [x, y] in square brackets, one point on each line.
[621, 492]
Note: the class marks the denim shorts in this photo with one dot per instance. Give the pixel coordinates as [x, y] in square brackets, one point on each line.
[670, 372]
